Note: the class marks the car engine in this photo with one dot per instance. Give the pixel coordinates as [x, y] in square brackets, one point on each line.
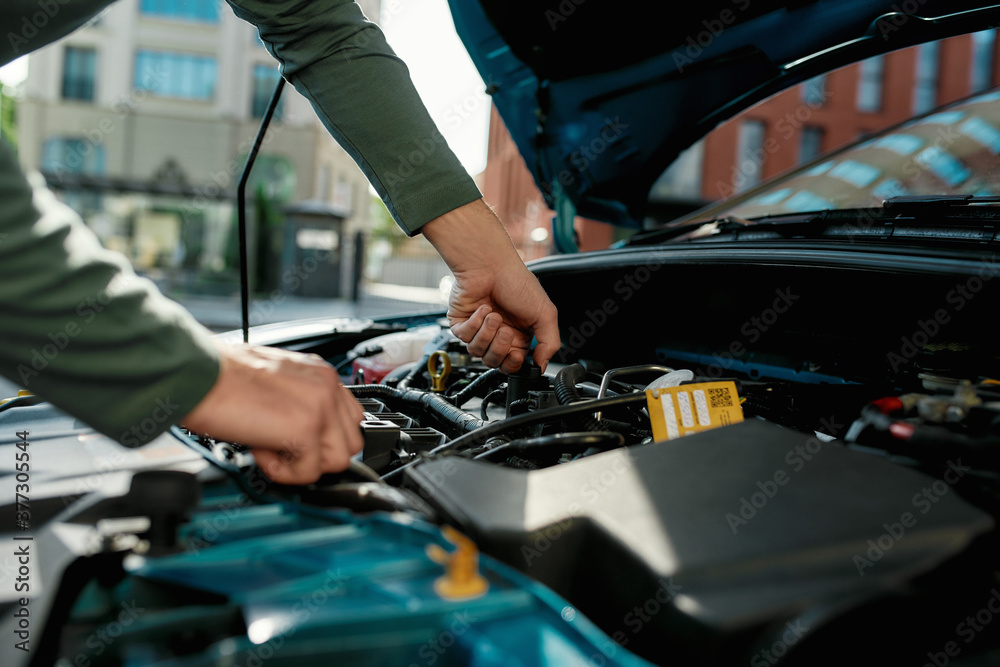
[732, 484]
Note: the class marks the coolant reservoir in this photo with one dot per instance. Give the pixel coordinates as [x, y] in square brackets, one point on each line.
[397, 349]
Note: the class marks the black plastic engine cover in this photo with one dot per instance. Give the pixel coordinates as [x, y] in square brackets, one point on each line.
[716, 546]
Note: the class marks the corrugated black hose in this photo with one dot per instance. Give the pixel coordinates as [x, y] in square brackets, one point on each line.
[418, 399]
[567, 393]
[487, 380]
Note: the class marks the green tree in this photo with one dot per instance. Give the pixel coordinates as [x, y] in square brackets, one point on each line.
[268, 242]
[8, 117]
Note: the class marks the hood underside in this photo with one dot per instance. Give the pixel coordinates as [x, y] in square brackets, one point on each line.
[600, 98]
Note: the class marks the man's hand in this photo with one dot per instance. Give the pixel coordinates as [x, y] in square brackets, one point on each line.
[496, 304]
[290, 408]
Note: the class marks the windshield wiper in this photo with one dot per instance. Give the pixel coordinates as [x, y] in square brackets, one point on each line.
[954, 217]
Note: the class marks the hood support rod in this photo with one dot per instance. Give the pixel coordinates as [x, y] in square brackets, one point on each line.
[241, 207]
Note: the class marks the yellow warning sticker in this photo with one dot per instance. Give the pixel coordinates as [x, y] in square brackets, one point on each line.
[690, 408]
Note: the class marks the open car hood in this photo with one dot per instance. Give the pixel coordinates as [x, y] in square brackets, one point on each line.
[601, 97]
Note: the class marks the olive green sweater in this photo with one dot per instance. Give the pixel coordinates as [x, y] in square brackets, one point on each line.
[80, 329]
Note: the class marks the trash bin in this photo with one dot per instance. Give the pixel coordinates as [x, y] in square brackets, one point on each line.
[311, 256]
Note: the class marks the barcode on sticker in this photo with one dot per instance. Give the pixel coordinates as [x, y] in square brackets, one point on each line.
[720, 398]
[669, 417]
[702, 405]
[685, 403]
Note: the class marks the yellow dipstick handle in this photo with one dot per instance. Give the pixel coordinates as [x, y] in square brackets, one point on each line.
[461, 579]
[20, 393]
[439, 375]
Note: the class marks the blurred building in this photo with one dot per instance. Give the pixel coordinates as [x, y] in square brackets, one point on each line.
[792, 127]
[142, 120]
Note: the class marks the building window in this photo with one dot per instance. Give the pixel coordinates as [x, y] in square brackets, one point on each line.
[982, 60]
[265, 79]
[814, 91]
[811, 143]
[179, 75]
[79, 70]
[72, 155]
[750, 155]
[206, 11]
[925, 86]
[870, 84]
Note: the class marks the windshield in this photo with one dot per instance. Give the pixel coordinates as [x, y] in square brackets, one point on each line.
[952, 151]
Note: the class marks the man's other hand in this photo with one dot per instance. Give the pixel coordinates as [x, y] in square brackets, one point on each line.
[290, 408]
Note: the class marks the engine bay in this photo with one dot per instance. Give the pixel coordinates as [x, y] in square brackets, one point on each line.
[777, 473]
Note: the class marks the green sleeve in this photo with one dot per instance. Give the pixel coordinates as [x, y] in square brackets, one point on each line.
[363, 94]
[31, 24]
[80, 329]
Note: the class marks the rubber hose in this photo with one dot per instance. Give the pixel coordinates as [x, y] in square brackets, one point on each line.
[520, 407]
[416, 398]
[487, 379]
[567, 393]
[491, 397]
[414, 372]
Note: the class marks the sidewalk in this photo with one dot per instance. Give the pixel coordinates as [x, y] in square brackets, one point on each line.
[222, 313]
